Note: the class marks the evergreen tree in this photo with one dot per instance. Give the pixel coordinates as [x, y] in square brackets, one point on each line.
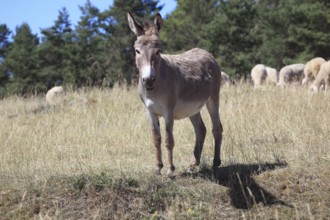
[293, 31]
[272, 31]
[56, 52]
[231, 36]
[184, 28]
[239, 33]
[92, 47]
[4, 48]
[309, 30]
[4, 41]
[122, 39]
[22, 63]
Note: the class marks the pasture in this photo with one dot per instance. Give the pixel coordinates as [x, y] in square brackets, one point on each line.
[92, 157]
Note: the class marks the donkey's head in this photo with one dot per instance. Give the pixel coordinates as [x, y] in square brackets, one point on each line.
[147, 48]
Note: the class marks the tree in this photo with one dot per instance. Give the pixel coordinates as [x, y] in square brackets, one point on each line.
[22, 63]
[293, 31]
[4, 41]
[92, 47]
[122, 39]
[230, 36]
[56, 52]
[184, 28]
[309, 30]
[4, 48]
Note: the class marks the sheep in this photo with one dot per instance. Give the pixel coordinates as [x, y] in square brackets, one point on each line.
[322, 78]
[291, 74]
[258, 75]
[272, 76]
[225, 80]
[53, 93]
[311, 69]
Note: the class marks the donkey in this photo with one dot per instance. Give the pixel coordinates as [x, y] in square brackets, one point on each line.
[176, 87]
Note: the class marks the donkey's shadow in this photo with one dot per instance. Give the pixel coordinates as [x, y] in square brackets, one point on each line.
[243, 191]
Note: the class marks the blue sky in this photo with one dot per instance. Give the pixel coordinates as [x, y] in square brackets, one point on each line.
[42, 13]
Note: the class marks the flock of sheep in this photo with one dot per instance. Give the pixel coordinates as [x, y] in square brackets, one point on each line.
[315, 74]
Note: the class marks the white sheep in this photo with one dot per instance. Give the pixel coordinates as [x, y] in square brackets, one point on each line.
[53, 93]
[291, 74]
[311, 69]
[272, 76]
[322, 78]
[225, 80]
[258, 75]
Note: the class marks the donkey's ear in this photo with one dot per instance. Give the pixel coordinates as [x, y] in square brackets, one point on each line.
[158, 21]
[134, 25]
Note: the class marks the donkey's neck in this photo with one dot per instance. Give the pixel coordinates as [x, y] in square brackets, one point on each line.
[167, 64]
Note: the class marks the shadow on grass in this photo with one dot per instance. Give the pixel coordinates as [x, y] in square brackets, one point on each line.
[244, 191]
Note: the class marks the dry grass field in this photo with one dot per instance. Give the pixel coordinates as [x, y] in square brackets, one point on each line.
[91, 157]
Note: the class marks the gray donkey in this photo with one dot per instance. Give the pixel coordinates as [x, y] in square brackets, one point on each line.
[176, 87]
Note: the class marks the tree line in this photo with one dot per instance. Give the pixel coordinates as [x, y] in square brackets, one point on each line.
[98, 50]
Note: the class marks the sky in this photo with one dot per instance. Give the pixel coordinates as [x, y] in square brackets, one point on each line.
[41, 14]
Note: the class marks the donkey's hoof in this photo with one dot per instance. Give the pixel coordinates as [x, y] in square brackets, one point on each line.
[216, 163]
[170, 175]
[170, 172]
[193, 168]
[195, 163]
[159, 169]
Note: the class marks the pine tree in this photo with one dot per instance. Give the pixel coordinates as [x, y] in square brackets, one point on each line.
[4, 40]
[4, 49]
[184, 28]
[92, 47]
[293, 31]
[56, 51]
[22, 63]
[122, 39]
[230, 36]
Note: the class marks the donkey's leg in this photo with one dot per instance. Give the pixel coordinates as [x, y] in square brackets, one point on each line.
[154, 120]
[200, 132]
[212, 105]
[169, 141]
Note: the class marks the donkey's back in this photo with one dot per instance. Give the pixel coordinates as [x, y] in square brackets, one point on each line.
[196, 72]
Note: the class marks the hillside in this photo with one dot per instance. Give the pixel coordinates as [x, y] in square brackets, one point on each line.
[91, 157]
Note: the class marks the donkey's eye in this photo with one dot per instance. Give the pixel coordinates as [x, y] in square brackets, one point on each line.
[137, 51]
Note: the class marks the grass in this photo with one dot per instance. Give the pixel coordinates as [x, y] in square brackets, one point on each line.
[91, 156]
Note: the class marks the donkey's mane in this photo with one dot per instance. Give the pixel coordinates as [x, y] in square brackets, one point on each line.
[150, 36]
[150, 28]
[150, 41]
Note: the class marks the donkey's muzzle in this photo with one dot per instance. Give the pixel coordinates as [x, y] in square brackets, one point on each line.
[148, 82]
